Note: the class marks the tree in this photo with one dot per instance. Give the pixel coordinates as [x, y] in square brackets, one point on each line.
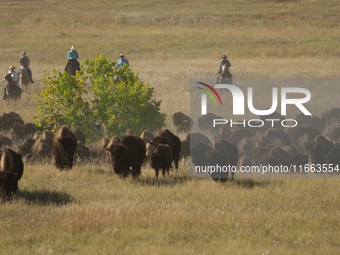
[116, 104]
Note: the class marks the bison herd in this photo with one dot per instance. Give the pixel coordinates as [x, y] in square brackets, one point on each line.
[315, 140]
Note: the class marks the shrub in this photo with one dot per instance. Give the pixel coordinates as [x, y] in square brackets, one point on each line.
[116, 104]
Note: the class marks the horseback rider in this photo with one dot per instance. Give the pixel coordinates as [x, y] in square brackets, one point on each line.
[224, 61]
[25, 61]
[121, 62]
[73, 54]
[15, 78]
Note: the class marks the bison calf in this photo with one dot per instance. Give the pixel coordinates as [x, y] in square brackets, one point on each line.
[161, 159]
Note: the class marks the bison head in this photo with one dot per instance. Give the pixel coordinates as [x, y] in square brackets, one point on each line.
[69, 146]
[118, 158]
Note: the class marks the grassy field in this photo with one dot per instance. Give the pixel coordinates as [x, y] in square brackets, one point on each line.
[89, 210]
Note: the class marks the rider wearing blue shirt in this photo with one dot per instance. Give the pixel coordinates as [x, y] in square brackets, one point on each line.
[73, 53]
[122, 61]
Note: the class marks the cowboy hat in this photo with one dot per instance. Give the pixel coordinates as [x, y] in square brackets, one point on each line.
[73, 48]
[224, 56]
[23, 52]
[11, 67]
[122, 55]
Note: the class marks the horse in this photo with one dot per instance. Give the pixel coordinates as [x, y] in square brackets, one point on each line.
[72, 66]
[226, 76]
[11, 90]
[24, 77]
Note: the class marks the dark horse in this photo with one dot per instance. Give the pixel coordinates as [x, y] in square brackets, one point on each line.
[72, 66]
[11, 90]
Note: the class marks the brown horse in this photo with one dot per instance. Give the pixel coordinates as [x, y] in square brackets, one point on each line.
[24, 77]
[72, 66]
[226, 76]
[11, 90]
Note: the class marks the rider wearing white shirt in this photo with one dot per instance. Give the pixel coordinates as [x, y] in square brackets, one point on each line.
[15, 78]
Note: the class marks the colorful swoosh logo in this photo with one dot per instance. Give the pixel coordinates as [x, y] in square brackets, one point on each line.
[212, 89]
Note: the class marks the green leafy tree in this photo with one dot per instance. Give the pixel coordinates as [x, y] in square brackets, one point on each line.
[62, 96]
[116, 104]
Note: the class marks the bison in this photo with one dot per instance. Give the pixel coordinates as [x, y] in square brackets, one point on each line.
[174, 143]
[230, 152]
[333, 158]
[41, 148]
[98, 148]
[197, 154]
[12, 169]
[315, 150]
[64, 147]
[182, 121]
[5, 141]
[146, 136]
[130, 152]
[80, 135]
[26, 147]
[161, 159]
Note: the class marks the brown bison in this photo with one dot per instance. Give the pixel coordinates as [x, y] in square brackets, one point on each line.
[130, 152]
[239, 134]
[223, 133]
[230, 152]
[192, 139]
[41, 148]
[213, 158]
[18, 132]
[327, 145]
[205, 122]
[7, 120]
[161, 159]
[331, 116]
[5, 141]
[82, 152]
[197, 154]
[146, 136]
[174, 143]
[64, 147]
[302, 141]
[10, 163]
[115, 139]
[80, 135]
[182, 121]
[195, 138]
[274, 133]
[305, 120]
[98, 148]
[26, 147]
[333, 158]
[282, 156]
[296, 132]
[315, 150]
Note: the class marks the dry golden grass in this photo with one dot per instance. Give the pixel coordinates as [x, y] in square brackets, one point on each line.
[89, 210]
